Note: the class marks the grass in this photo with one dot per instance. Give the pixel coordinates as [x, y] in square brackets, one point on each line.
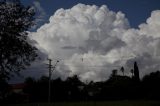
[107, 103]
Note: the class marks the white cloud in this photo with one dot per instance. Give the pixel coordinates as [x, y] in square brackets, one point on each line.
[91, 41]
[152, 26]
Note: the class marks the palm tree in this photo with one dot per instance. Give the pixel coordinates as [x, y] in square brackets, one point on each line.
[122, 70]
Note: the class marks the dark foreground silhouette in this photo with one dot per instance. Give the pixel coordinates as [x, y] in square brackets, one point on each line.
[117, 87]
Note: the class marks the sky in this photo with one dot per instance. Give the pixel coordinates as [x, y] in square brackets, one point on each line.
[90, 38]
[137, 11]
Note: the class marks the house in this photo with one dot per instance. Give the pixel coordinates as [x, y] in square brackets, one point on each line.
[18, 88]
[17, 92]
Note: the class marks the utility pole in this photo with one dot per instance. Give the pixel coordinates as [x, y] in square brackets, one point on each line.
[50, 74]
[49, 82]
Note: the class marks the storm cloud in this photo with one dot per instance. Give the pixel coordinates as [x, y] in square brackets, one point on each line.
[91, 41]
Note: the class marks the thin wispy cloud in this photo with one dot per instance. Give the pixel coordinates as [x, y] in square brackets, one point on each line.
[40, 14]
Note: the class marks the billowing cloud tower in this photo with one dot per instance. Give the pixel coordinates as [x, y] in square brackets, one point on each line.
[90, 41]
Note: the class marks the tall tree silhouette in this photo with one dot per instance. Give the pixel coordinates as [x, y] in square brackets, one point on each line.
[16, 51]
[136, 72]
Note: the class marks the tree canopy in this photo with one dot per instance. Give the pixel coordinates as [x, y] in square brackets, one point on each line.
[15, 48]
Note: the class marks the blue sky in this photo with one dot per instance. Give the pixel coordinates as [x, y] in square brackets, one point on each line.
[137, 11]
[97, 37]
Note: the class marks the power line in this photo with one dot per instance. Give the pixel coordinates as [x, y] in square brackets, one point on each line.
[99, 57]
[89, 65]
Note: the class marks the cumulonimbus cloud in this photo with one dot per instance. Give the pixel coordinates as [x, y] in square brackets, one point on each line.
[90, 41]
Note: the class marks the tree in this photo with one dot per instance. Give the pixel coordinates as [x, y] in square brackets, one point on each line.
[132, 72]
[151, 85]
[4, 90]
[114, 73]
[73, 84]
[31, 88]
[15, 48]
[152, 79]
[122, 70]
[136, 72]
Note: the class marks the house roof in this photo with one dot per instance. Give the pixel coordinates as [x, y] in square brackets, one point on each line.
[18, 86]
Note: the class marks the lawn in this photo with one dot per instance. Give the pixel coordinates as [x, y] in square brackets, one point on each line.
[107, 103]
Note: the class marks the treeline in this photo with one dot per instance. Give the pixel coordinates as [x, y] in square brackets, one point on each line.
[117, 87]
